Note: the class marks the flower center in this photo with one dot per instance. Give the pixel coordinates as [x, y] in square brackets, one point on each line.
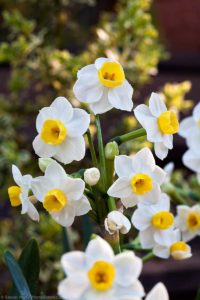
[168, 122]
[162, 220]
[141, 183]
[178, 246]
[193, 221]
[111, 74]
[101, 275]
[54, 200]
[53, 132]
[14, 195]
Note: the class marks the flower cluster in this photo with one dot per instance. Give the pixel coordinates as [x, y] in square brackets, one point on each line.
[97, 273]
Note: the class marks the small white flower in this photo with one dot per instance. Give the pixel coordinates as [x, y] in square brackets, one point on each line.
[116, 221]
[188, 221]
[149, 219]
[190, 128]
[61, 195]
[159, 123]
[159, 292]
[169, 243]
[103, 86]
[18, 194]
[92, 176]
[60, 131]
[191, 159]
[139, 179]
[169, 168]
[98, 274]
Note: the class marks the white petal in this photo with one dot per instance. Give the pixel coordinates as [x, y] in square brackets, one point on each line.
[82, 206]
[45, 113]
[55, 173]
[192, 161]
[87, 70]
[161, 150]
[99, 61]
[121, 97]
[141, 218]
[147, 238]
[196, 113]
[40, 185]
[168, 140]
[17, 175]
[159, 292]
[144, 158]
[133, 292]
[151, 197]
[32, 212]
[42, 149]
[92, 294]
[63, 108]
[73, 188]
[128, 268]
[148, 122]
[71, 149]
[102, 105]
[88, 88]
[186, 126]
[167, 237]
[159, 175]
[79, 123]
[161, 251]
[123, 166]
[73, 287]
[188, 235]
[65, 217]
[121, 188]
[98, 249]
[156, 105]
[130, 201]
[73, 261]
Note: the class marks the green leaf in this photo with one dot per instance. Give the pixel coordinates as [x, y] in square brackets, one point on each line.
[17, 276]
[198, 294]
[29, 262]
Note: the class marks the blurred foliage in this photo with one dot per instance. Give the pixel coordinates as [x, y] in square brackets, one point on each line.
[45, 50]
[49, 237]
[174, 95]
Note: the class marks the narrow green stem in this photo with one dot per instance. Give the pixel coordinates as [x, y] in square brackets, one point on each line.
[66, 241]
[111, 204]
[148, 257]
[101, 154]
[92, 149]
[129, 136]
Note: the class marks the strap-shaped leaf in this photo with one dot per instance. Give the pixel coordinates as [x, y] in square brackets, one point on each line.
[17, 276]
[29, 263]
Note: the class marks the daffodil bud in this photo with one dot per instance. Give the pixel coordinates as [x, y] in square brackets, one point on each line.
[44, 163]
[116, 221]
[111, 150]
[91, 176]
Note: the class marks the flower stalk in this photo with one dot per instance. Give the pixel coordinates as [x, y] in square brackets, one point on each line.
[129, 136]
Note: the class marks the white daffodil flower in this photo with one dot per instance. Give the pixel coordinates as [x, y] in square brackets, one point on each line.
[168, 243]
[159, 292]
[139, 179]
[188, 221]
[191, 159]
[149, 219]
[19, 194]
[92, 176]
[103, 86]
[61, 195]
[116, 221]
[190, 128]
[99, 274]
[159, 123]
[60, 131]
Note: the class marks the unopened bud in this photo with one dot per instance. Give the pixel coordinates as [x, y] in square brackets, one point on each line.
[116, 221]
[91, 176]
[44, 163]
[111, 150]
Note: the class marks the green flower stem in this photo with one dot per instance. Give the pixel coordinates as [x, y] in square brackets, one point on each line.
[92, 149]
[110, 171]
[129, 136]
[101, 155]
[66, 241]
[148, 257]
[111, 204]
[113, 240]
